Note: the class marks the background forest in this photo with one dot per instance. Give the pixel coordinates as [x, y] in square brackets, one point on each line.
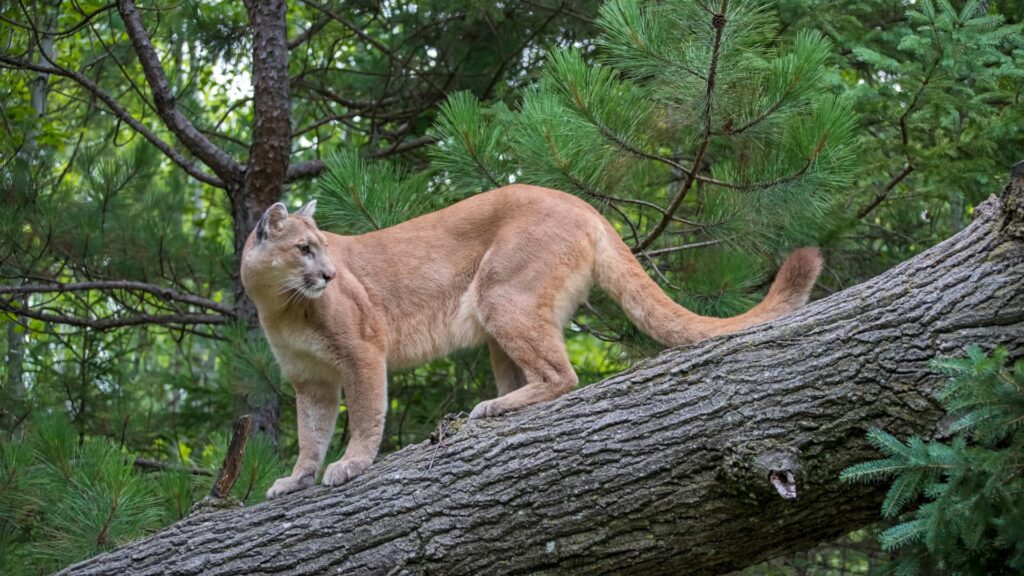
[141, 143]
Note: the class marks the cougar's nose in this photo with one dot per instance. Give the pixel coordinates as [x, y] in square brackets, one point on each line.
[329, 275]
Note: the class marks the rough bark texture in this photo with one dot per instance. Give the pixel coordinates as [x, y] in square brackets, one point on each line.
[265, 171]
[664, 469]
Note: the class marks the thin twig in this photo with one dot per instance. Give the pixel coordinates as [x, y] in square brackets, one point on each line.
[718, 22]
[157, 465]
[884, 192]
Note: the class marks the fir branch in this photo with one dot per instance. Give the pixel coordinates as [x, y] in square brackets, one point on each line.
[808, 162]
[480, 163]
[627, 146]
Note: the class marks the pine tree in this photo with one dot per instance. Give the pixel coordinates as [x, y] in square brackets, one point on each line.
[971, 520]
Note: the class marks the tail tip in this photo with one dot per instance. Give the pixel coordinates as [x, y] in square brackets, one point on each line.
[806, 261]
[798, 273]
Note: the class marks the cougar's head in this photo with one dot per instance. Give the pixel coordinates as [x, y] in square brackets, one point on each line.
[288, 254]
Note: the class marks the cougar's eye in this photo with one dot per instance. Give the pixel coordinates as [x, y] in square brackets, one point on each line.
[305, 250]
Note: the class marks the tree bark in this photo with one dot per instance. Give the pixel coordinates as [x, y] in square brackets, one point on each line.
[265, 171]
[674, 466]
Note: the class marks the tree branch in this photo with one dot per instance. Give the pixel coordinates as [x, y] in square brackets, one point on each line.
[118, 111]
[896, 179]
[403, 146]
[718, 22]
[303, 170]
[217, 159]
[131, 285]
[159, 466]
[117, 322]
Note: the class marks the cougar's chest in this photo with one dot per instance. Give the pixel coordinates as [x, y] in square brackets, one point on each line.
[301, 352]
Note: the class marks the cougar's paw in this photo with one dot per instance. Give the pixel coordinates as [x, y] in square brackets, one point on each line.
[487, 409]
[289, 484]
[344, 470]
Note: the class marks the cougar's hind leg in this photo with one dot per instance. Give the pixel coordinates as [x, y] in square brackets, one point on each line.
[507, 375]
[540, 352]
[532, 341]
[523, 301]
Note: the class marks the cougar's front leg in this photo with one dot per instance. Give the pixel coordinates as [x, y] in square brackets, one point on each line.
[366, 396]
[316, 410]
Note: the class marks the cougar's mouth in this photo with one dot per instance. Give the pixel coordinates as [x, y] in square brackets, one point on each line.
[314, 289]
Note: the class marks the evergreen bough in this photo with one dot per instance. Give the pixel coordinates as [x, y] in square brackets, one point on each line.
[971, 520]
[66, 497]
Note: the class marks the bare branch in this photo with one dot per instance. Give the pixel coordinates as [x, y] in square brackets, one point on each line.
[679, 248]
[159, 466]
[403, 146]
[213, 156]
[884, 192]
[335, 97]
[117, 110]
[232, 466]
[304, 170]
[131, 285]
[117, 322]
[307, 34]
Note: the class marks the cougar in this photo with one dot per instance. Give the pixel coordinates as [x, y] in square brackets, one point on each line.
[505, 268]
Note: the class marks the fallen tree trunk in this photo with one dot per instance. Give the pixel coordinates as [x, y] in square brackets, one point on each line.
[684, 464]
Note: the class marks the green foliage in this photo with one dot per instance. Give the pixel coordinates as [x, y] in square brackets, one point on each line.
[64, 498]
[938, 87]
[472, 152]
[972, 518]
[247, 366]
[357, 197]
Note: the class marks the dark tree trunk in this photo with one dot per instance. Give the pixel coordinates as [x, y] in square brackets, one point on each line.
[266, 170]
[664, 469]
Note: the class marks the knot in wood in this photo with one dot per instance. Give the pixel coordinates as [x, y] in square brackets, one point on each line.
[760, 471]
[781, 467]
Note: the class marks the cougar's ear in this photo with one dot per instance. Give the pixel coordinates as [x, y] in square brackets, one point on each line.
[307, 210]
[271, 221]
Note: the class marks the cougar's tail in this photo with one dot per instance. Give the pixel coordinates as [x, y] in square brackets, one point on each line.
[619, 273]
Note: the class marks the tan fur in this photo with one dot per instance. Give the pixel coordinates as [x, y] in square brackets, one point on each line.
[507, 268]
